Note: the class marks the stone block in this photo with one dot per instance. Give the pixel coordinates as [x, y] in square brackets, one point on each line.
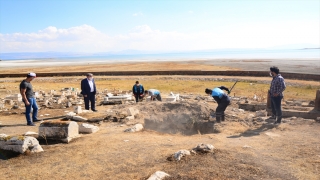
[59, 101]
[20, 144]
[88, 128]
[130, 118]
[159, 175]
[8, 101]
[131, 111]
[169, 99]
[77, 109]
[64, 131]
[69, 104]
[253, 107]
[135, 128]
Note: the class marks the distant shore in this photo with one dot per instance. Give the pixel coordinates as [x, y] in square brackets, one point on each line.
[302, 66]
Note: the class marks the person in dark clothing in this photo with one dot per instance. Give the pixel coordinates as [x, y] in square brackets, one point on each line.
[28, 98]
[89, 90]
[222, 99]
[138, 91]
[276, 93]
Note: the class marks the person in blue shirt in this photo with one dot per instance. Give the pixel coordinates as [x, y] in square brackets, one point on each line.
[222, 99]
[138, 91]
[155, 94]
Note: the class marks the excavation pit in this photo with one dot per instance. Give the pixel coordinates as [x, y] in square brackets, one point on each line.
[179, 118]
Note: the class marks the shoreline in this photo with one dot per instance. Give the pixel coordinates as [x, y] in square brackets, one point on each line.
[301, 66]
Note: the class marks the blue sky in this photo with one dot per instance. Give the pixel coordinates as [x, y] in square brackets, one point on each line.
[154, 25]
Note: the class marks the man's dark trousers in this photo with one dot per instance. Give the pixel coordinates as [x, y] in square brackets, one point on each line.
[222, 106]
[137, 96]
[276, 107]
[90, 97]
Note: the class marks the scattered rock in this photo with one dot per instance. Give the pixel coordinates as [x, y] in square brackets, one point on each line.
[132, 112]
[88, 128]
[15, 107]
[159, 175]
[204, 148]
[178, 155]
[135, 128]
[20, 144]
[130, 118]
[262, 113]
[77, 109]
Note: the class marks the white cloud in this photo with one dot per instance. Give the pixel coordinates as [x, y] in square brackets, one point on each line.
[190, 12]
[86, 38]
[138, 14]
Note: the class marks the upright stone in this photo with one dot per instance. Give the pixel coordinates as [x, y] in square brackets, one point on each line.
[64, 131]
[77, 109]
[317, 101]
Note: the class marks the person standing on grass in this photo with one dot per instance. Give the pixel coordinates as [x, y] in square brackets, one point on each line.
[29, 100]
[222, 99]
[138, 91]
[89, 90]
[276, 93]
[155, 94]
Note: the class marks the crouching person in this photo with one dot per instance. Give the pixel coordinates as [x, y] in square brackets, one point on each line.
[154, 93]
[222, 99]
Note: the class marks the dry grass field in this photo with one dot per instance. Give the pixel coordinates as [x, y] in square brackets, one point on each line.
[133, 66]
[248, 86]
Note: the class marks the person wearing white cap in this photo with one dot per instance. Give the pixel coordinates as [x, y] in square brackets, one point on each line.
[29, 99]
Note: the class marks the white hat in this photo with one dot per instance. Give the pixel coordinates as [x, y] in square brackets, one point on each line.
[32, 74]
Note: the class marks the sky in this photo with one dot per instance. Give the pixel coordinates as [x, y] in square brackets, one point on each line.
[157, 25]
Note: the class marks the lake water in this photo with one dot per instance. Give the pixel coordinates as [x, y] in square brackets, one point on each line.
[311, 54]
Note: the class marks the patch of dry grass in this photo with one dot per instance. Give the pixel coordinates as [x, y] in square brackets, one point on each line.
[247, 89]
[134, 66]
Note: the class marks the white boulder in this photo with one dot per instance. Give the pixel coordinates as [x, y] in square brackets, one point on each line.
[20, 144]
[135, 128]
[178, 155]
[159, 175]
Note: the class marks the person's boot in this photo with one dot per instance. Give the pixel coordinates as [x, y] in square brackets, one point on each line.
[218, 119]
[278, 120]
[272, 117]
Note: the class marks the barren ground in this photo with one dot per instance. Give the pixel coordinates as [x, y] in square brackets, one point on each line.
[244, 150]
